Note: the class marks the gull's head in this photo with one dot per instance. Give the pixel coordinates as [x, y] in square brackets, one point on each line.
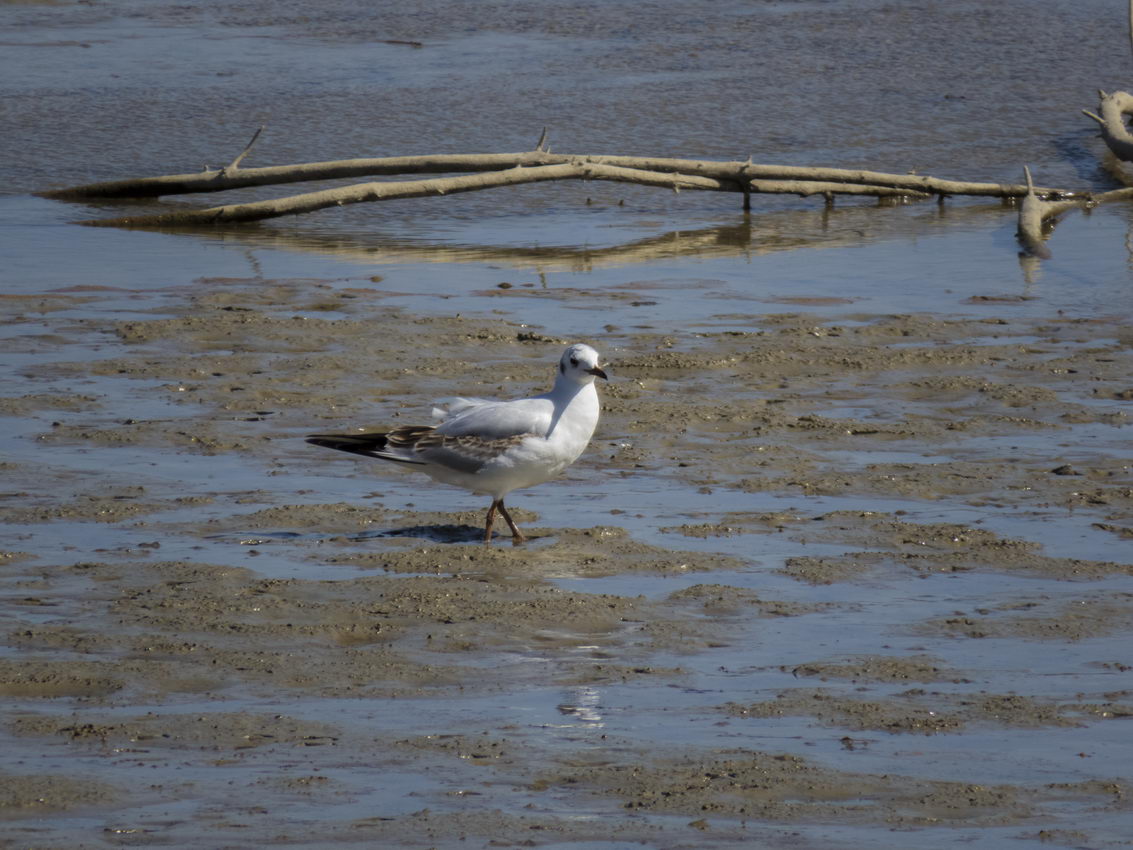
[579, 363]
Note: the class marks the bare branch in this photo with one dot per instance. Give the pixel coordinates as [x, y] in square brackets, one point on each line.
[391, 190]
[235, 164]
[1113, 108]
[1113, 195]
[804, 188]
[1034, 213]
[1030, 222]
[214, 181]
[384, 191]
[217, 181]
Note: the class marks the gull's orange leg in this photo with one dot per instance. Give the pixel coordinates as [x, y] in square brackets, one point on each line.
[488, 522]
[516, 535]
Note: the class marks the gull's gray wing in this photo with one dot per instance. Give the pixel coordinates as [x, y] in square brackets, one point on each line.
[422, 445]
[493, 420]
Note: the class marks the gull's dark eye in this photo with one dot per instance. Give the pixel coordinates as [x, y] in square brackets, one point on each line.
[574, 361]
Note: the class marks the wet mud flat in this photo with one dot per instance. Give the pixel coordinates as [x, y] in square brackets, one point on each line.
[851, 581]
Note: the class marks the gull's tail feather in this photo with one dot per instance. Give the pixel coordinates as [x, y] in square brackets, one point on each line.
[396, 444]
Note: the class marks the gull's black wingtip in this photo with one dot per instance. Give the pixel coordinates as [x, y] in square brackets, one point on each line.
[359, 444]
[368, 445]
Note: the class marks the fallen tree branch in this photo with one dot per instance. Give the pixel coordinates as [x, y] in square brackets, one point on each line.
[1034, 213]
[805, 188]
[1124, 194]
[224, 179]
[219, 181]
[235, 164]
[392, 190]
[384, 191]
[1113, 108]
[912, 182]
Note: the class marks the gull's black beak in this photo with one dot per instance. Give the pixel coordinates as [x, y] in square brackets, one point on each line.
[597, 372]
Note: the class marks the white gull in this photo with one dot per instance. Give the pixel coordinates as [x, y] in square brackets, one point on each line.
[494, 447]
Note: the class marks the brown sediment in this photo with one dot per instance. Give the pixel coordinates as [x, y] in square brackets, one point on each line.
[408, 606]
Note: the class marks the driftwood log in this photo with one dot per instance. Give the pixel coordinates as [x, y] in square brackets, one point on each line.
[1114, 132]
[806, 180]
[1035, 212]
[578, 170]
[1039, 206]
[475, 172]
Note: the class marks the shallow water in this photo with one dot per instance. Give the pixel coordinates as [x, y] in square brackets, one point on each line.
[961, 90]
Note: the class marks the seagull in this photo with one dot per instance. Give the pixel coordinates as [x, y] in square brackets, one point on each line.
[494, 447]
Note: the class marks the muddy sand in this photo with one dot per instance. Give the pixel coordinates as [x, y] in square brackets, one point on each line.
[217, 635]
